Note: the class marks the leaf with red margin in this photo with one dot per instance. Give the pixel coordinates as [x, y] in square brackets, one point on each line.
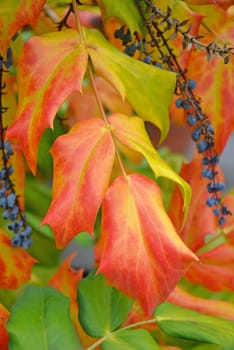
[142, 254]
[4, 338]
[14, 14]
[15, 264]
[218, 308]
[83, 161]
[45, 81]
[215, 269]
[222, 3]
[66, 280]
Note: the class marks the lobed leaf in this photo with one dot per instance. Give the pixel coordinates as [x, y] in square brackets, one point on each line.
[83, 161]
[141, 241]
[15, 14]
[138, 339]
[44, 82]
[101, 308]
[184, 323]
[131, 132]
[141, 84]
[16, 264]
[48, 313]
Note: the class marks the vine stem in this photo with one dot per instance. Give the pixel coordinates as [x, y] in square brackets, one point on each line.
[133, 325]
[97, 96]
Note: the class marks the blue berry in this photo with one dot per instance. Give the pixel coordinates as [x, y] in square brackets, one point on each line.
[26, 232]
[11, 198]
[130, 50]
[14, 213]
[186, 104]
[225, 210]
[3, 202]
[196, 134]
[202, 146]
[2, 174]
[210, 174]
[210, 129]
[212, 201]
[8, 148]
[16, 241]
[15, 36]
[148, 59]
[159, 65]
[191, 84]
[215, 187]
[216, 212]
[222, 221]
[191, 119]
[27, 243]
[179, 102]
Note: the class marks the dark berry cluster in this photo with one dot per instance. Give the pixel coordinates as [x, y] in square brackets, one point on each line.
[9, 201]
[10, 204]
[203, 136]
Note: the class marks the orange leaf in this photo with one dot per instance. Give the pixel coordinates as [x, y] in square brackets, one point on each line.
[4, 339]
[83, 160]
[14, 14]
[66, 280]
[142, 254]
[216, 308]
[45, 81]
[15, 264]
[215, 269]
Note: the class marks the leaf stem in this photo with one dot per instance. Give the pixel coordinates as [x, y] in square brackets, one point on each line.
[97, 96]
[133, 325]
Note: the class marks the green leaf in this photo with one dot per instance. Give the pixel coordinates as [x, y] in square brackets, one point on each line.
[138, 339]
[183, 323]
[126, 11]
[101, 308]
[40, 320]
[149, 89]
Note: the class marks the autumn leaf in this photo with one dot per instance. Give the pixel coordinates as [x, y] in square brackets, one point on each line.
[4, 339]
[14, 15]
[16, 264]
[83, 160]
[215, 269]
[218, 308]
[142, 254]
[44, 82]
[131, 132]
[129, 78]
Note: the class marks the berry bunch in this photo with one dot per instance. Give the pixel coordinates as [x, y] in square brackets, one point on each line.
[203, 136]
[8, 198]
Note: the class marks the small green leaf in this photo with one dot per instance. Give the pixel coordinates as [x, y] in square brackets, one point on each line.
[149, 89]
[183, 323]
[40, 320]
[101, 308]
[138, 339]
[126, 11]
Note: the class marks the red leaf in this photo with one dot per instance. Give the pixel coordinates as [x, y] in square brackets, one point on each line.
[42, 86]
[216, 308]
[15, 264]
[83, 160]
[14, 15]
[142, 255]
[4, 339]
